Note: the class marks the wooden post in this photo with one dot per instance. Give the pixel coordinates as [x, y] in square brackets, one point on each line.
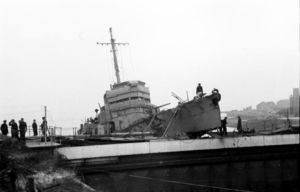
[30, 185]
[187, 95]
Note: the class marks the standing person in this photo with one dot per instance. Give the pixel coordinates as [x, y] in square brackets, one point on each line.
[34, 127]
[23, 129]
[224, 127]
[199, 90]
[239, 125]
[217, 96]
[14, 129]
[44, 126]
[4, 128]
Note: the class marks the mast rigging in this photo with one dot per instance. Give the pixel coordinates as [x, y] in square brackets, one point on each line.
[113, 46]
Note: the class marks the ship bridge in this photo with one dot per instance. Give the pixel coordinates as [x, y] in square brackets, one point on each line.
[126, 103]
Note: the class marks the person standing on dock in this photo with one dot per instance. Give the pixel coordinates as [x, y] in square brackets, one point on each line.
[4, 128]
[224, 127]
[23, 129]
[34, 127]
[14, 129]
[199, 90]
[44, 126]
[239, 125]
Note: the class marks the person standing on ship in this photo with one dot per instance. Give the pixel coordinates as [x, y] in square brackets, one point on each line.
[23, 129]
[239, 125]
[4, 128]
[34, 127]
[199, 90]
[14, 129]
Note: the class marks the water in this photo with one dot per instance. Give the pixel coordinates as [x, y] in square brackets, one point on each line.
[267, 175]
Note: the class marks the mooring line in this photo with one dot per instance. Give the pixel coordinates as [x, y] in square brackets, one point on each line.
[176, 182]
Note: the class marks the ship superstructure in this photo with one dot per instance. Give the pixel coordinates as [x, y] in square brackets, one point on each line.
[126, 103]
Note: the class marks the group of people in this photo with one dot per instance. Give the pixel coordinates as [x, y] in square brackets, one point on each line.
[22, 128]
[223, 128]
[215, 95]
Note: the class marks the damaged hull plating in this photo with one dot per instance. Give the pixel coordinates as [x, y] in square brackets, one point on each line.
[198, 115]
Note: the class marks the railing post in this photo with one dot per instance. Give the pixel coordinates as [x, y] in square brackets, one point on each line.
[60, 134]
[39, 134]
[51, 136]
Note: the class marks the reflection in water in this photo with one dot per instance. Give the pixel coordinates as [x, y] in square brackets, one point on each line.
[268, 175]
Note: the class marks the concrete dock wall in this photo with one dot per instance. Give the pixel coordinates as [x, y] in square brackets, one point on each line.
[154, 147]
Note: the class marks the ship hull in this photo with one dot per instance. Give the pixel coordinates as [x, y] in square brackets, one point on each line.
[197, 116]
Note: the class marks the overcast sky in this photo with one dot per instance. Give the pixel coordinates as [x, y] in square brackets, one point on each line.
[247, 49]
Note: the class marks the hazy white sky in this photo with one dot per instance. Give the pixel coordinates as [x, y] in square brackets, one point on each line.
[247, 49]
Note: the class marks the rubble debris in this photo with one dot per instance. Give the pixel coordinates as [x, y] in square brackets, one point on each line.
[18, 163]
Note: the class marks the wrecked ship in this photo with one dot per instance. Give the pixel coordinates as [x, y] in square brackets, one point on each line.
[128, 108]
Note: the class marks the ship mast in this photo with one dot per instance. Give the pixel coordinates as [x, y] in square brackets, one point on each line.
[113, 46]
[114, 51]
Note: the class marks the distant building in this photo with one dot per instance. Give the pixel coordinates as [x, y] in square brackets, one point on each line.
[266, 106]
[283, 104]
[294, 102]
[248, 108]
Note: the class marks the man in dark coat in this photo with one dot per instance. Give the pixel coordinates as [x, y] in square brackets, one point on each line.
[14, 129]
[199, 90]
[23, 129]
[34, 127]
[216, 96]
[44, 126]
[224, 127]
[4, 128]
[239, 125]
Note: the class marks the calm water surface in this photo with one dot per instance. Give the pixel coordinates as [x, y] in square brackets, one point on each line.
[268, 175]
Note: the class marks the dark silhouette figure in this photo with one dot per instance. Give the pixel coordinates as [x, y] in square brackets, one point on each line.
[224, 127]
[23, 129]
[199, 90]
[44, 126]
[4, 128]
[34, 127]
[215, 97]
[239, 125]
[14, 129]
